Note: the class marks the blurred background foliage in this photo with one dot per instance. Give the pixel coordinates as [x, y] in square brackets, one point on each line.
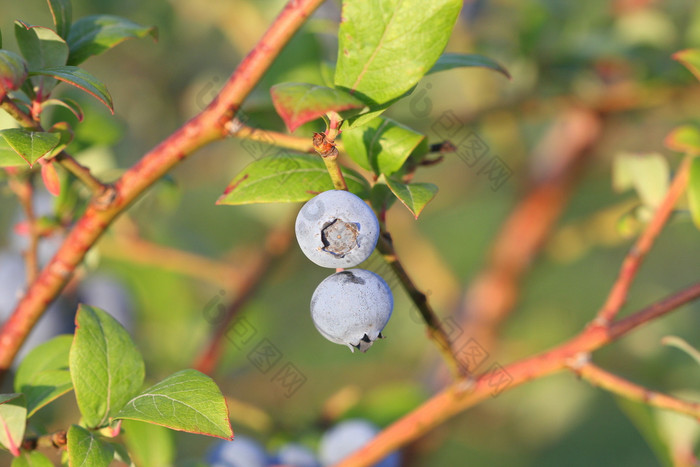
[612, 57]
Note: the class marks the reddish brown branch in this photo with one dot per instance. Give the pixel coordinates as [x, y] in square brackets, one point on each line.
[207, 126]
[458, 397]
[618, 385]
[618, 294]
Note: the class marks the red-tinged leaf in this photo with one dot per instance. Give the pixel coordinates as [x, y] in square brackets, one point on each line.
[62, 12]
[415, 196]
[68, 103]
[298, 103]
[81, 79]
[92, 35]
[685, 139]
[13, 71]
[690, 58]
[52, 181]
[13, 420]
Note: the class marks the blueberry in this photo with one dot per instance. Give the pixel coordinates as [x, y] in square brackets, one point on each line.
[346, 438]
[352, 307]
[241, 452]
[336, 229]
[296, 455]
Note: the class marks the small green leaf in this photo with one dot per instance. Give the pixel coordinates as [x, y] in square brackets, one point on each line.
[149, 444]
[694, 191]
[13, 420]
[81, 79]
[690, 58]
[451, 61]
[647, 173]
[86, 449]
[685, 139]
[31, 459]
[62, 12]
[298, 103]
[382, 146]
[414, 195]
[41, 47]
[286, 178]
[106, 367]
[93, 35]
[29, 145]
[185, 401]
[13, 71]
[43, 374]
[386, 46]
[681, 344]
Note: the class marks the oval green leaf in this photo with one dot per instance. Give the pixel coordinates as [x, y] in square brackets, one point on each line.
[62, 12]
[386, 46]
[106, 367]
[81, 79]
[415, 196]
[685, 139]
[690, 58]
[43, 374]
[29, 145]
[13, 420]
[93, 35]
[85, 449]
[13, 71]
[287, 178]
[298, 103]
[382, 146]
[694, 191]
[452, 60]
[40, 46]
[185, 401]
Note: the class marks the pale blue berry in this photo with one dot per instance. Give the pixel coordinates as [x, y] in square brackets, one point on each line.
[241, 452]
[349, 436]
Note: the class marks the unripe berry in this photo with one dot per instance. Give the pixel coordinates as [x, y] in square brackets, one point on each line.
[352, 307]
[336, 229]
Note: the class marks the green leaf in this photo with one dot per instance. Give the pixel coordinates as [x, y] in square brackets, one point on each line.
[93, 35]
[386, 46]
[381, 146]
[81, 79]
[85, 449]
[681, 344]
[13, 420]
[694, 191]
[690, 58]
[452, 60]
[647, 173]
[149, 444]
[43, 374]
[298, 103]
[68, 103]
[685, 139]
[29, 145]
[62, 12]
[31, 459]
[41, 47]
[413, 195]
[106, 367]
[13, 71]
[286, 178]
[185, 401]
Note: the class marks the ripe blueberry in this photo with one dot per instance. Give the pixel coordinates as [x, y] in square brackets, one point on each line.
[295, 455]
[347, 437]
[336, 229]
[352, 307]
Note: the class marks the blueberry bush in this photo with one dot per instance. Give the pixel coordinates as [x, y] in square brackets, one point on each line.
[153, 298]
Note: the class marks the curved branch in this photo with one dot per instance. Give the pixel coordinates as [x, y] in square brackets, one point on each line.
[209, 125]
[460, 396]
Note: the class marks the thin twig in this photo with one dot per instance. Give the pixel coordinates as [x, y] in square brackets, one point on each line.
[435, 330]
[618, 294]
[618, 385]
[82, 173]
[457, 398]
[207, 126]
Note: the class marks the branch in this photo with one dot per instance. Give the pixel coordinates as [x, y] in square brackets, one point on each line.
[618, 294]
[435, 330]
[207, 126]
[459, 396]
[618, 385]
